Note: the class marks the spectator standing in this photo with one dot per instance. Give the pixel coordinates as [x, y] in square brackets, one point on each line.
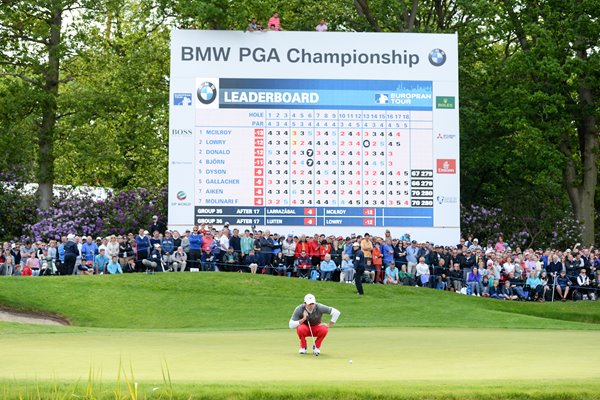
[235, 242]
[377, 261]
[252, 25]
[274, 23]
[411, 258]
[360, 264]
[71, 253]
[322, 27]
[142, 242]
[347, 269]
[26, 251]
[288, 249]
[197, 243]
[246, 243]
[112, 247]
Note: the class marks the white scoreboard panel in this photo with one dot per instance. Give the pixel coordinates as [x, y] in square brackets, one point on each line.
[310, 132]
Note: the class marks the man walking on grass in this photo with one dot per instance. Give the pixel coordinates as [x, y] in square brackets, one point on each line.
[307, 321]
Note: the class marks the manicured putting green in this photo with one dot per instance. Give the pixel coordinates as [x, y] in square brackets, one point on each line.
[382, 355]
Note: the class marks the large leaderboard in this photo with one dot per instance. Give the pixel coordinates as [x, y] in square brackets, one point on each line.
[309, 132]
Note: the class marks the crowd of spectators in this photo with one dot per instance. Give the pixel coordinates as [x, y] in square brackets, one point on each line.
[491, 270]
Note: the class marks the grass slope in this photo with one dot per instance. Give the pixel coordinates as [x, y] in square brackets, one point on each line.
[228, 301]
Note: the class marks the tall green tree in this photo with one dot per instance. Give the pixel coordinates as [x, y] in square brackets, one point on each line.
[32, 46]
[539, 88]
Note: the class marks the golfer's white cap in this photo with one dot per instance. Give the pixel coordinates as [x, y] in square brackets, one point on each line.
[70, 236]
[309, 299]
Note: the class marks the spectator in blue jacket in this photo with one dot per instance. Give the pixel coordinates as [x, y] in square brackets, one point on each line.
[100, 262]
[142, 242]
[89, 250]
[327, 268]
[195, 254]
[114, 267]
[387, 252]
[168, 246]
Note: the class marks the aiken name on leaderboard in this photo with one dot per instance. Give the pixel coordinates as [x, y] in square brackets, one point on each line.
[270, 97]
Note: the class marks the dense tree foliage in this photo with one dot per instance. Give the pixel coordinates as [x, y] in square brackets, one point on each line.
[84, 90]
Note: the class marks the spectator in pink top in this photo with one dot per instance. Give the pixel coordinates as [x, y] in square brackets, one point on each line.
[500, 244]
[274, 22]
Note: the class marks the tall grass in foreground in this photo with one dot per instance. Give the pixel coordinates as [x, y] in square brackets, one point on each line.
[467, 390]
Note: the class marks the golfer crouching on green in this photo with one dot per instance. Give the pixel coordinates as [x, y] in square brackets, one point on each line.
[307, 321]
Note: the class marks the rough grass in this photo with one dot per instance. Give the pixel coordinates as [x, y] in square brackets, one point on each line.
[229, 301]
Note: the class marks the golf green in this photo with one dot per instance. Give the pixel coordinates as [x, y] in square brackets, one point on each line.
[377, 354]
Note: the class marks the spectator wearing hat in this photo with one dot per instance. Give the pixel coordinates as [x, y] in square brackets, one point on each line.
[475, 246]
[71, 252]
[468, 262]
[584, 282]
[411, 258]
[157, 225]
[360, 264]
[154, 261]
[168, 247]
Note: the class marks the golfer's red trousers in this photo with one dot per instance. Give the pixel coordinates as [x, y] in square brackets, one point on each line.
[318, 331]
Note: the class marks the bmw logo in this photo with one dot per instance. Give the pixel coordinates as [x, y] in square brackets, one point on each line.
[207, 93]
[437, 57]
